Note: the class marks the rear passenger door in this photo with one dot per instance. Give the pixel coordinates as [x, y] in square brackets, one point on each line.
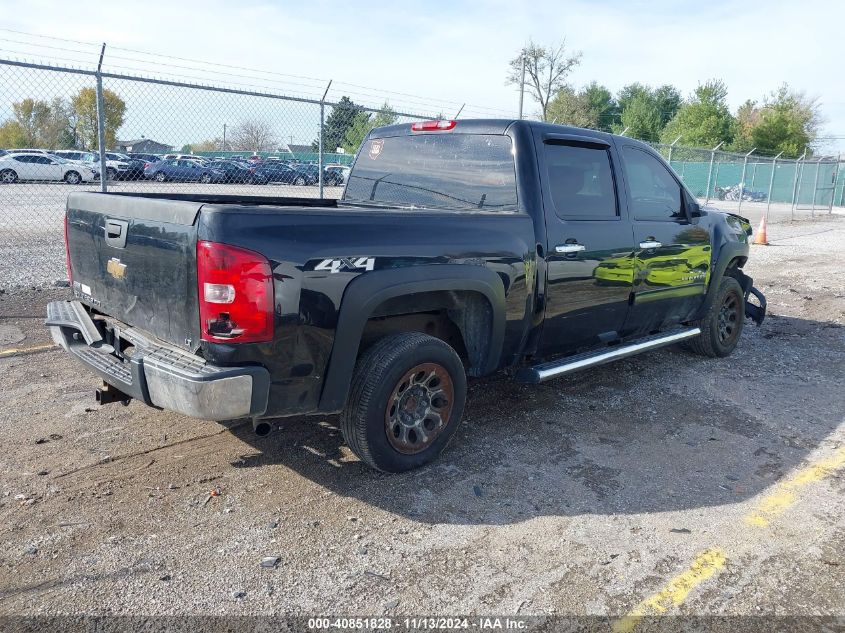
[589, 251]
[672, 252]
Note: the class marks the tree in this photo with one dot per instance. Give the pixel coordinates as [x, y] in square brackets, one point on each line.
[84, 105]
[362, 125]
[12, 134]
[572, 108]
[31, 115]
[705, 120]
[337, 124]
[254, 135]
[546, 71]
[664, 101]
[603, 107]
[210, 145]
[641, 118]
[787, 122]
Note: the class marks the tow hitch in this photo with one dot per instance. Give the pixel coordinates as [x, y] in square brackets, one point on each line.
[108, 394]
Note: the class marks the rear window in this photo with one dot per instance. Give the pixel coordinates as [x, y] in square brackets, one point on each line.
[442, 171]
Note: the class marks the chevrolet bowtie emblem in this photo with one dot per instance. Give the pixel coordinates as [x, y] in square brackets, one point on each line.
[115, 268]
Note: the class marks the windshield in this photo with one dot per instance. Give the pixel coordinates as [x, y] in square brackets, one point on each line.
[442, 171]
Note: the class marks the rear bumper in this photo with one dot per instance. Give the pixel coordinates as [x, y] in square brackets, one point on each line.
[158, 374]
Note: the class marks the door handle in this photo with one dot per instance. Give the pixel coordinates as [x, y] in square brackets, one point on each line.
[566, 249]
[650, 244]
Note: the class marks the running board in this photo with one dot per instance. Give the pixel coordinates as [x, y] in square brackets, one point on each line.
[570, 364]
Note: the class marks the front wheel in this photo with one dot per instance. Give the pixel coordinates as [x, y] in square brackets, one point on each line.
[722, 325]
[406, 401]
[73, 178]
[160, 176]
[205, 179]
[299, 182]
[8, 177]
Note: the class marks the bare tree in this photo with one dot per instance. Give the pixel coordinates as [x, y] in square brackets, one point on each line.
[546, 70]
[253, 135]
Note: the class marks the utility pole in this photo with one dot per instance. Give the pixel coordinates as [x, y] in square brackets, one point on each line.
[522, 86]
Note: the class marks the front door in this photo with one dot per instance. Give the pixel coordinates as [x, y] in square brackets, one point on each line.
[590, 244]
[672, 252]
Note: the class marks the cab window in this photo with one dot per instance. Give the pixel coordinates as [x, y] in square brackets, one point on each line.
[654, 192]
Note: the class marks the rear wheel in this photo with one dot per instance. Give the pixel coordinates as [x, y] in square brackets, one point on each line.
[722, 326]
[160, 176]
[405, 404]
[205, 179]
[73, 178]
[111, 173]
[8, 177]
[300, 181]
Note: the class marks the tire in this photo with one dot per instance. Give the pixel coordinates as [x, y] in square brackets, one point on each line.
[8, 176]
[401, 386]
[721, 327]
[299, 182]
[73, 178]
[111, 173]
[205, 179]
[160, 176]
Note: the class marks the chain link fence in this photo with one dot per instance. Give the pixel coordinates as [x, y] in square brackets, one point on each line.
[158, 136]
[171, 136]
[781, 189]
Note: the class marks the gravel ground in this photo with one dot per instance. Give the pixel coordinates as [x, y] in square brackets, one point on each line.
[584, 495]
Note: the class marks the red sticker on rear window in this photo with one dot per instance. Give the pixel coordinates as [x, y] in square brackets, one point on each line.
[376, 146]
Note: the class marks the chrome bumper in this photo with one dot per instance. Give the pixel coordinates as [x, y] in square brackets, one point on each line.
[158, 374]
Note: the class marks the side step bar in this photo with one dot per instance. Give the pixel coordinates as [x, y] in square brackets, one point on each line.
[570, 364]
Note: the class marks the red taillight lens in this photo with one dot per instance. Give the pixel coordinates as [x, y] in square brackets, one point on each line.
[235, 294]
[67, 256]
[432, 126]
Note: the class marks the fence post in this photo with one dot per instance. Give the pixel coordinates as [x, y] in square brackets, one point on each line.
[815, 187]
[796, 188]
[710, 171]
[835, 178]
[320, 148]
[742, 179]
[771, 184]
[101, 123]
[671, 147]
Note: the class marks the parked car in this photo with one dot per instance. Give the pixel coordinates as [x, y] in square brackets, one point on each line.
[147, 158]
[199, 159]
[184, 171]
[335, 175]
[19, 166]
[131, 168]
[118, 167]
[233, 171]
[458, 249]
[283, 173]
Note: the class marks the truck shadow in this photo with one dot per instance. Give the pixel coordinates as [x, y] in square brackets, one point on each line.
[660, 432]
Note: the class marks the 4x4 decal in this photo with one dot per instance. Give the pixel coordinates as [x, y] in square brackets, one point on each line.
[347, 263]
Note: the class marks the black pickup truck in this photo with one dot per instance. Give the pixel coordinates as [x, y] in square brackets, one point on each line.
[458, 249]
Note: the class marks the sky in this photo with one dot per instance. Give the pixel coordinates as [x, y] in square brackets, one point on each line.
[432, 57]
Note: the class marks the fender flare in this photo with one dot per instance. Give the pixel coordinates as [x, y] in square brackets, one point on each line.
[367, 291]
[727, 252]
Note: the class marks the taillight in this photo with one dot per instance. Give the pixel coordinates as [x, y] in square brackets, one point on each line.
[147, 166]
[67, 256]
[432, 126]
[235, 294]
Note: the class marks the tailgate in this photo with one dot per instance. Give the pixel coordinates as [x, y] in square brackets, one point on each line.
[134, 259]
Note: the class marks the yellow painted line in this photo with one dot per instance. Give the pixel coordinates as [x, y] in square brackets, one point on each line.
[25, 350]
[785, 493]
[675, 591]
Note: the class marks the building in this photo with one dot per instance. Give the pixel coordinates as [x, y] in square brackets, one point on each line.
[143, 146]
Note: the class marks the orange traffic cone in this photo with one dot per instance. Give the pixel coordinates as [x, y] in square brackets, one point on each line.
[761, 238]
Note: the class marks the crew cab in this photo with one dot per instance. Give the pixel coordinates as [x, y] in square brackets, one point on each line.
[458, 249]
